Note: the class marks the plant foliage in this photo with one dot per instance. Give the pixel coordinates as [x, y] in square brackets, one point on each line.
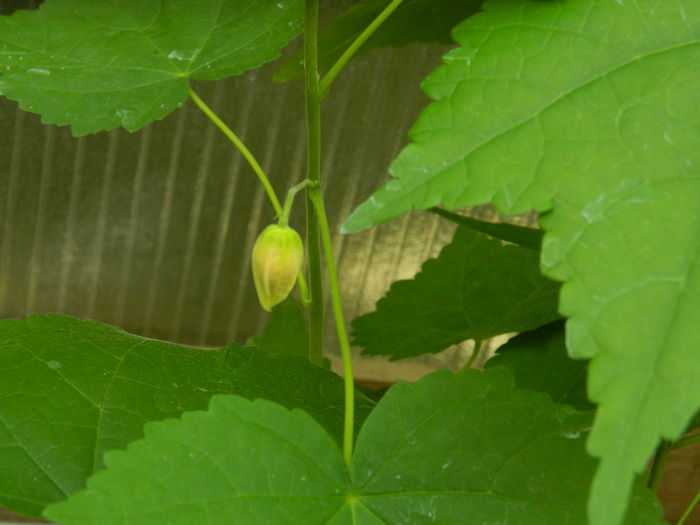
[285, 332]
[74, 389]
[96, 66]
[413, 21]
[587, 111]
[447, 447]
[477, 288]
[539, 361]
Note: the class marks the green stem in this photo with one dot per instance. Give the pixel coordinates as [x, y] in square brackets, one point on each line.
[690, 508]
[357, 44]
[283, 220]
[241, 147]
[284, 216]
[657, 466]
[475, 354]
[303, 289]
[317, 199]
[687, 441]
[304, 292]
[313, 125]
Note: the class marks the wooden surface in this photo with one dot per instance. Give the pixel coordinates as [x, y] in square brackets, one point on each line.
[681, 481]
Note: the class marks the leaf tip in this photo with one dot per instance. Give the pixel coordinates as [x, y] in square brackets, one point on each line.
[355, 223]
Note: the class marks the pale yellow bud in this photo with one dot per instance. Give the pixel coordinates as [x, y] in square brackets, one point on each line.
[277, 257]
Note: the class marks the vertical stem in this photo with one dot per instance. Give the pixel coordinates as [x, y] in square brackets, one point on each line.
[313, 123]
[315, 196]
[657, 466]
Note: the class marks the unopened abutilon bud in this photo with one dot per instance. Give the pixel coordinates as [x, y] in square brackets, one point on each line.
[277, 257]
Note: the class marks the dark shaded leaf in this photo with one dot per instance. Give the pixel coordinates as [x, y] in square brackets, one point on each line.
[539, 361]
[520, 235]
[285, 332]
[477, 288]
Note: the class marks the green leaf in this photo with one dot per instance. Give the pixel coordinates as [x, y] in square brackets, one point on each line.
[413, 21]
[588, 110]
[469, 445]
[74, 389]
[285, 332]
[520, 235]
[539, 361]
[99, 65]
[293, 382]
[477, 288]
[448, 447]
[240, 462]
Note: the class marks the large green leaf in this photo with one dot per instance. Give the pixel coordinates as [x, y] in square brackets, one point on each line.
[477, 288]
[447, 448]
[73, 389]
[413, 21]
[99, 65]
[240, 462]
[539, 361]
[589, 109]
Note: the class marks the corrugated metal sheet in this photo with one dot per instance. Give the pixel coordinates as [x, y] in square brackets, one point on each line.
[152, 231]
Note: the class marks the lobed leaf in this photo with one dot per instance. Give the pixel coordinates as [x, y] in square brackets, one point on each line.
[587, 111]
[448, 447]
[99, 65]
[74, 389]
[477, 288]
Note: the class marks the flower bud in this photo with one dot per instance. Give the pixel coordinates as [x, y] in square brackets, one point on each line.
[277, 257]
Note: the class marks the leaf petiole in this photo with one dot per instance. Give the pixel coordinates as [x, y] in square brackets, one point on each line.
[272, 196]
[689, 509]
[241, 147]
[474, 355]
[336, 68]
[317, 200]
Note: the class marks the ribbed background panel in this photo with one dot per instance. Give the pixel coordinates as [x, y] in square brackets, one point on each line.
[152, 231]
